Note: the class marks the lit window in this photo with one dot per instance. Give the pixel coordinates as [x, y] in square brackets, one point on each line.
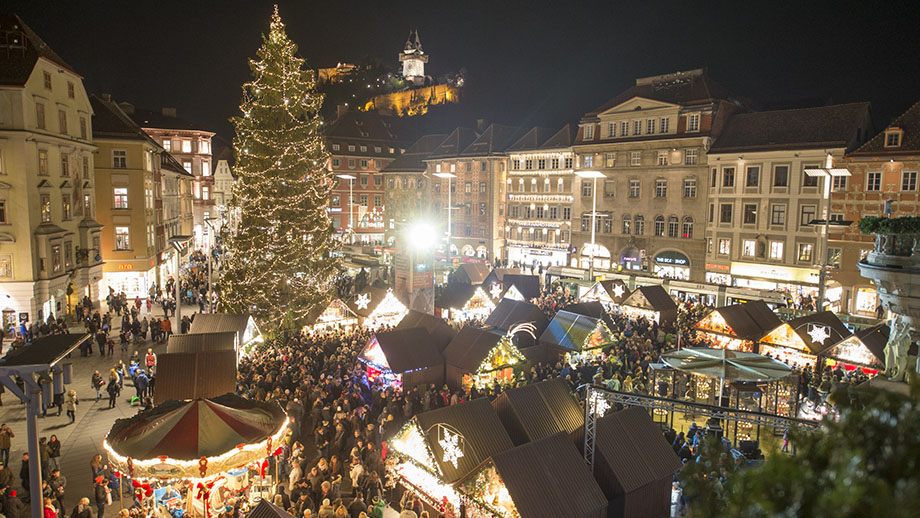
[6, 266]
[205, 193]
[56, 258]
[749, 248]
[186, 146]
[725, 246]
[68, 254]
[45, 202]
[205, 168]
[805, 252]
[204, 146]
[187, 165]
[66, 206]
[627, 223]
[122, 238]
[121, 197]
[776, 250]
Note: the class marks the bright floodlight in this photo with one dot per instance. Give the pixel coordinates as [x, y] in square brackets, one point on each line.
[590, 174]
[445, 175]
[422, 236]
[346, 176]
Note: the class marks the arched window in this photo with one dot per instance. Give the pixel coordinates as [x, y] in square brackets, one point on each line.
[627, 222]
[687, 230]
[659, 226]
[672, 226]
[639, 227]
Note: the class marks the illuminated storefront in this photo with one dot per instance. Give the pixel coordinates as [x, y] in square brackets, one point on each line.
[792, 280]
[866, 301]
[403, 357]
[549, 256]
[336, 315]
[738, 327]
[672, 265]
[600, 254]
[798, 342]
[378, 307]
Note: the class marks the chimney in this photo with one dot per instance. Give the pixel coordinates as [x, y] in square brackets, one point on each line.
[107, 97]
[481, 125]
[169, 112]
[125, 106]
[340, 110]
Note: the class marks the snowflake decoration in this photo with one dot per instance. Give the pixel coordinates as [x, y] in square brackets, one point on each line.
[496, 290]
[450, 445]
[618, 290]
[363, 300]
[819, 334]
[601, 405]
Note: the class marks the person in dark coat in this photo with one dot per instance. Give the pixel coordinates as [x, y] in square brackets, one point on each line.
[13, 507]
[112, 389]
[24, 472]
[82, 509]
[99, 493]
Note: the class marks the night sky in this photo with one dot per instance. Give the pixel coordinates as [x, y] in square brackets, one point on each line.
[533, 62]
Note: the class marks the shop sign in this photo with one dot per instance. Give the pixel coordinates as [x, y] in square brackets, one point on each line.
[672, 258]
[776, 272]
[125, 266]
[723, 267]
[630, 255]
[536, 251]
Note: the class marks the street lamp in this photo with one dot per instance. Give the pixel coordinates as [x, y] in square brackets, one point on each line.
[210, 223]
[179, 244]
[351, 201]
[421, 238]
[828, 172]
[594, 175]
[449, 209]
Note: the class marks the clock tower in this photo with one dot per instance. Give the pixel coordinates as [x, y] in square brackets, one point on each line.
[413, 60]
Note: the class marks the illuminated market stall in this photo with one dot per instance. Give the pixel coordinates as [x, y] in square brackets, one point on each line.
[650, 302]
[406, 357]
[248, 334]
[497, 275]
[538, 410]
[198, 448]
[478, 357]
[462, 302]
[334, 316]
[799, 341]
[738, 327]
[512, 293]
[864, 350]
[610, 293]
[578, 336]
[474, 273]
[526, 286]
[378, 307]
[436, 449]
[529, 481]
[510, 313]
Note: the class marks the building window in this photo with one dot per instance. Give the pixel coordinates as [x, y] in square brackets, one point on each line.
[659, 226]
[68, 254]
[725, 246]
[45, 201]
[66, 206]
[839, 183]
[627, 224]
[874, 181]
[56, 258]
[691, 156]
[553, 162]
[336, 162]
[351, 163]
[634, 188]
[750, 214]
[728, 177]
[122, 238]
[121, 197]
[336, 200]
[3, 211]
[589, 132]
[167, 145]
[753, 177]
[725, 213]
[186, 146]
[781, 176]
[586, 188]
[693, 122]
[40, 115]
[378, 181]
[483, 187]
[893, 138]
[88, 206]
[528, 164]
[713, 177]
[482, 210]
[662, 158]
[808, 215]
[687, 230]
[83, 132]
[749, 248]
[689, 187]
[43, 162]
[47, 78]
[65, 165]
[778, 215]
[541, 164]
[635, 158]
[639, 225]
[664, 124]
[119, 159]
[776, 250]
[62, 121]
[624, 129]
[805, 252]
[568, 162]
[362, 200]
[661, 188]
[672, 226]
[589, 160]
[468, 187]
[515, 165]
[708, 245]
[553, 212]
[610, 160]
[567, 213]
[611, 129]
[364, 164]
[362, 179]
[833, 257]
[650, 126]
[205, 192]
[205, 168]
[637, 127]
[909, 181]
[6, 266]
[712, 212]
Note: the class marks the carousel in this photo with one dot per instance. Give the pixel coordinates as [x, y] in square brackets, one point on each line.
[194, 458]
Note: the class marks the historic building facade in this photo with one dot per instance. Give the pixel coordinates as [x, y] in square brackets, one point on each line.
[884, 169]
[49, 239]
[537, 226]
[761, 229]
[407, 194]
[650, 144]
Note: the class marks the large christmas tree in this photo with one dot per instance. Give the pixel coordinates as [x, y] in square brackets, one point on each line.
[279, 266]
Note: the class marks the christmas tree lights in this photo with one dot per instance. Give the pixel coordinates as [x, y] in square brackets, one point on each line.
[279, 265]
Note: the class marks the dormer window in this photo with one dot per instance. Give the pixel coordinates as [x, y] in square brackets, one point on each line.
[589, 132]
[893, 137]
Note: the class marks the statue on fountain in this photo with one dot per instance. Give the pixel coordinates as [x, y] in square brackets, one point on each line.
[896, 350]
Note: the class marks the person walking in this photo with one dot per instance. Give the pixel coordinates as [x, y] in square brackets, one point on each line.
[151, 361]
[54, 453]
[71, 403]
[5, 443]
[98, 383]
[113, 390]
[141, 381]
[24, 472]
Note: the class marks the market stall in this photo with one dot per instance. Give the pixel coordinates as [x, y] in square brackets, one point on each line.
[378, 307]
[334, 316]
[527, 286]
[195, 447]
[497, 275]
[579, 336]
[436, 449]
[403, 357]
[474, 273]
[184, 376]
[864, 350]
[543, 479]
[738, 327]
[440, 332]
[799, 341]
[510, 313]
[463, 302]
[480, 358]
[511, 293]
[650, 302]
[610, 293]
[538, 410]
[248, 334]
